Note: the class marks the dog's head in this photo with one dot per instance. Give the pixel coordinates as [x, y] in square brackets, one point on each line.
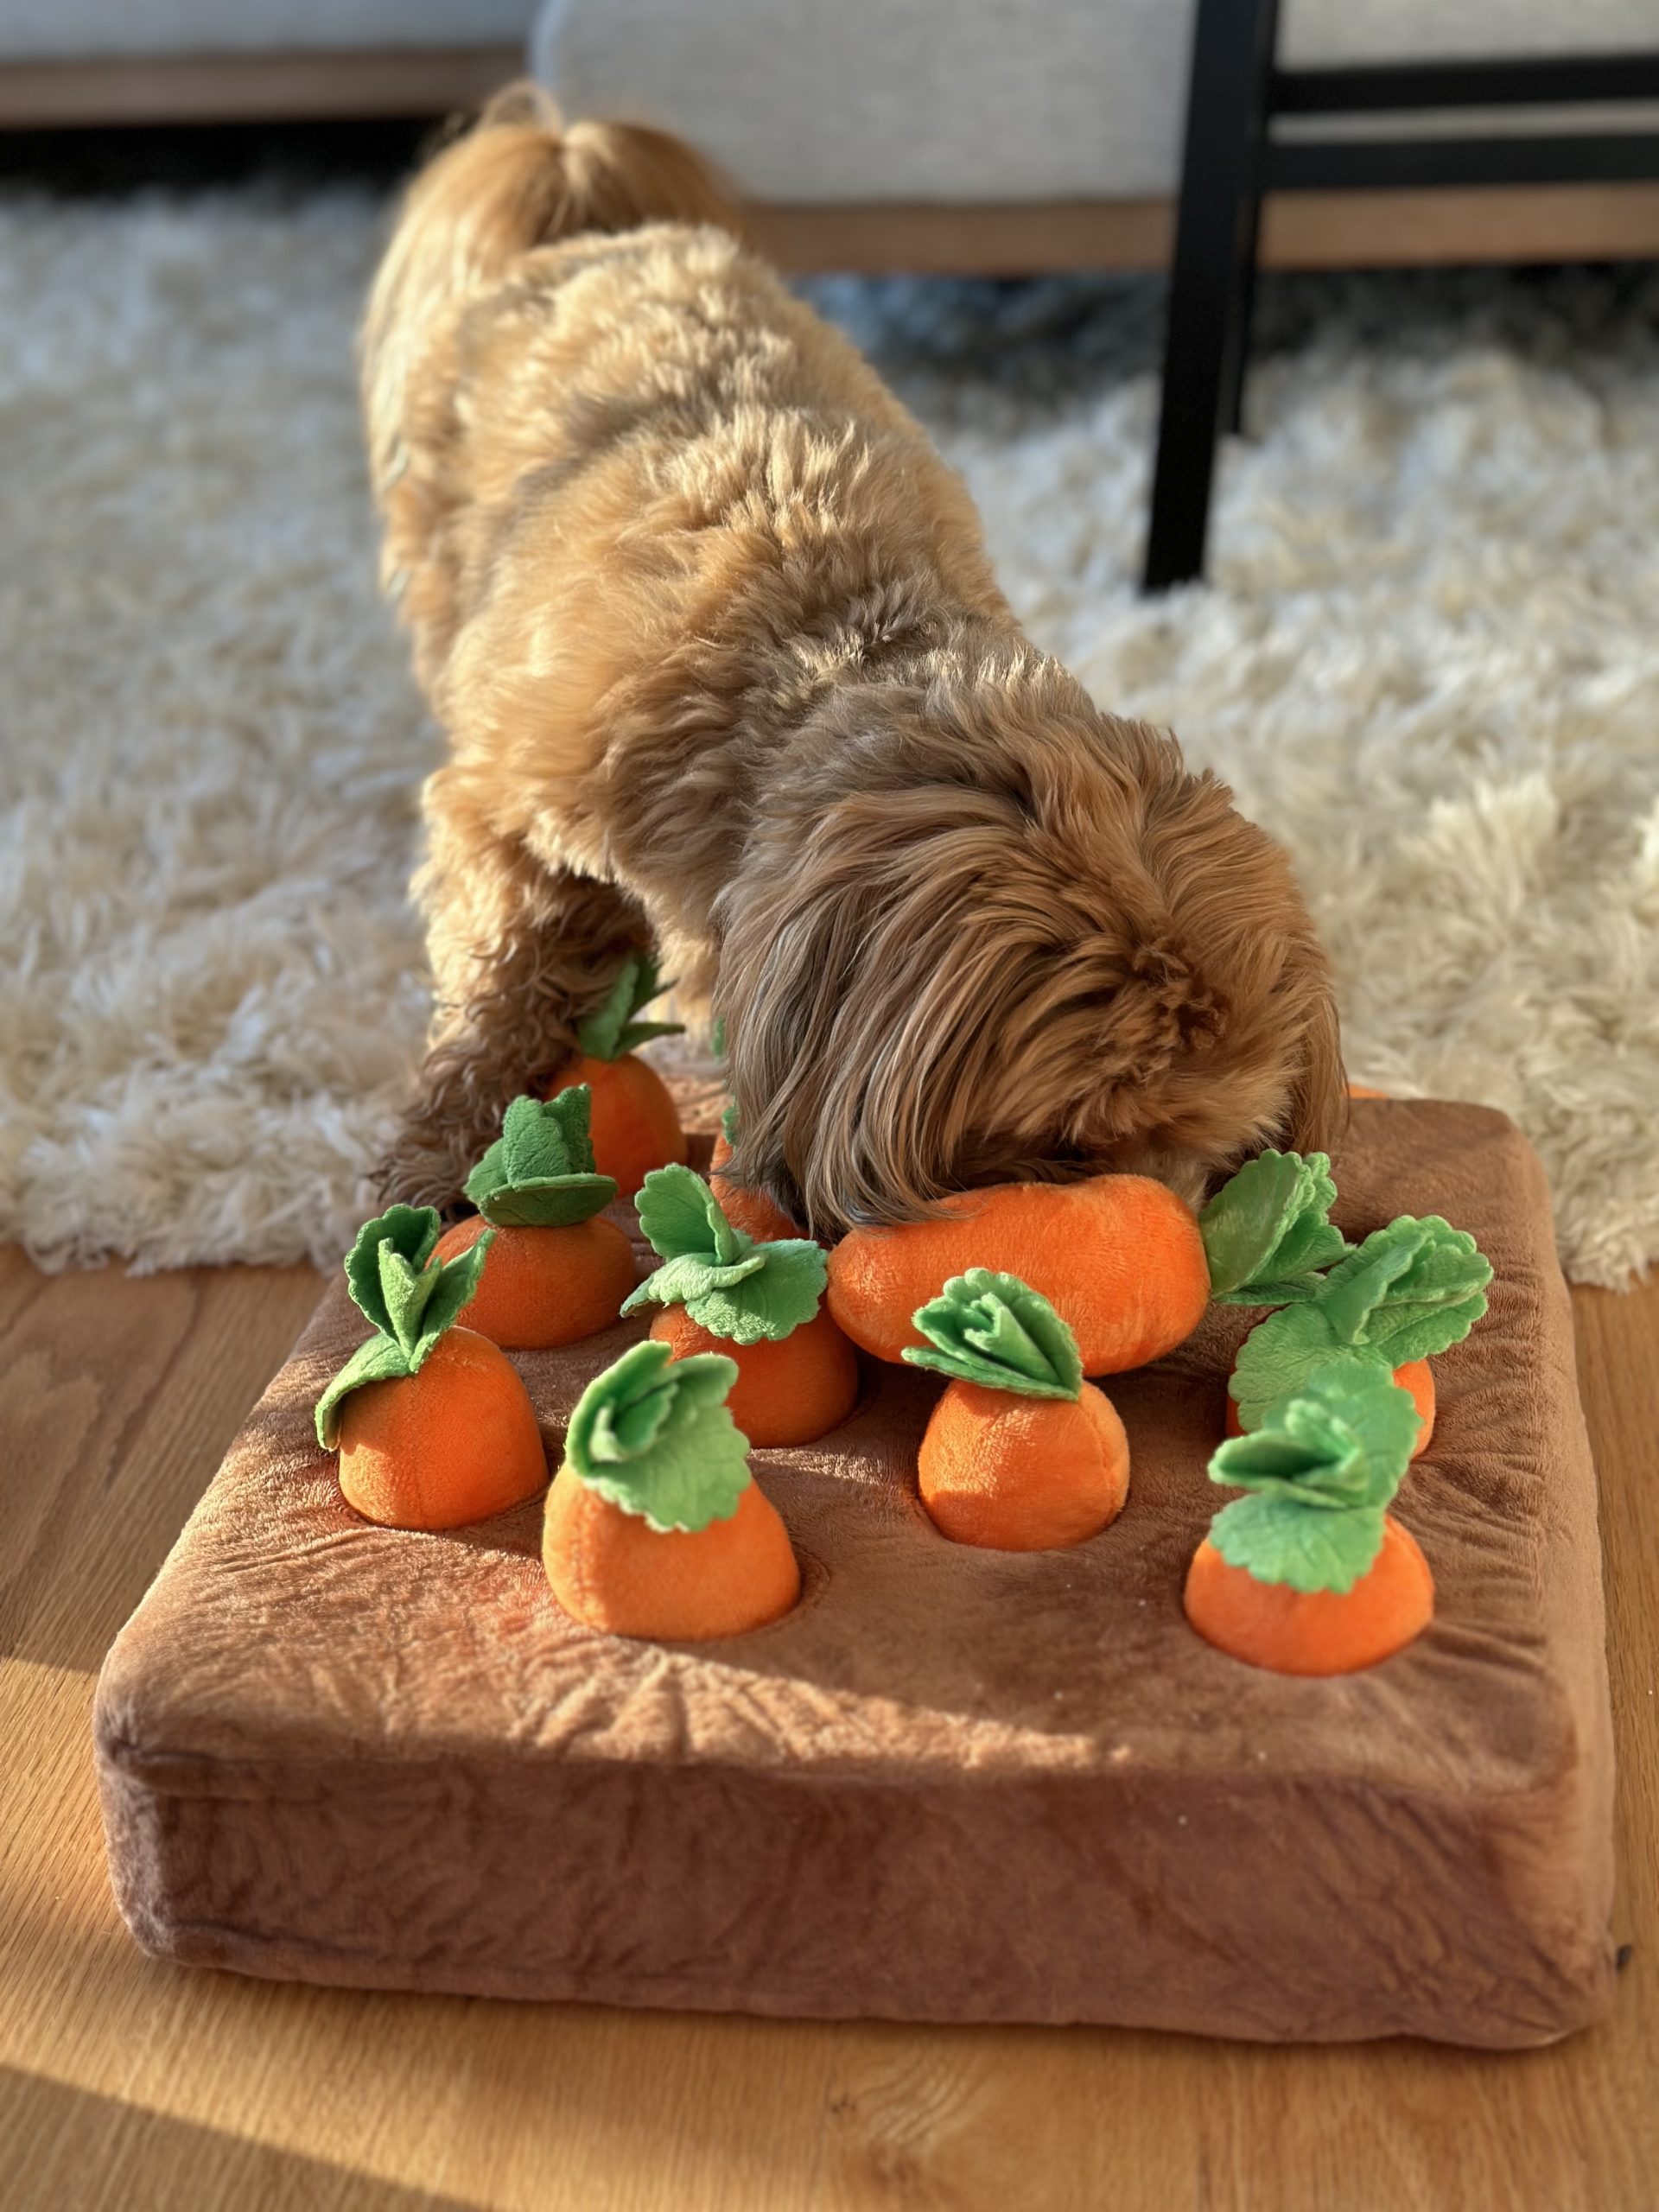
[1001, 936]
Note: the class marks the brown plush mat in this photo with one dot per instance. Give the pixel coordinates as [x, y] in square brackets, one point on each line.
[954, 1785]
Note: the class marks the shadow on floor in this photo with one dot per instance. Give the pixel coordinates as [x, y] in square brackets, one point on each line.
[67, 2146]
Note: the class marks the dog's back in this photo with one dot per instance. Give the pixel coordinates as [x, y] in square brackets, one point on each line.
[551, 291]
[518, 181]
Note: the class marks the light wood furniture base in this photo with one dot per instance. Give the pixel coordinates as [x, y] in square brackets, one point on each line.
[125, 2084]
[250, 87]
[1302, 230]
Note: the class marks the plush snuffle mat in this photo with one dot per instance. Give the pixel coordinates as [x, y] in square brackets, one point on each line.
[951, 1783]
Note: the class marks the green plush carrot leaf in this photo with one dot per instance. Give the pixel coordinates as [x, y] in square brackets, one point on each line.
[1267, 1234]
[540, 1172]
[611, 1029]
[381, 1360]
[728, 1123]
[681, 1217]
[1276, 1542]
[781, 1296]
[1344, 1439]
[411, 1230]
[689, 1276]
[1323, 1466]
[717, 1040]
[405, 1292]
[1410, 1291]
[655, 1436]
[995, 1330]
[442, 1293]
[727, 1282]
[641, 1033]
[767, 1295]
[409, 1298]
[1276, 1359]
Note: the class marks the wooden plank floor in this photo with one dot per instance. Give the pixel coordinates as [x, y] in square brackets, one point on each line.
[130, 2085]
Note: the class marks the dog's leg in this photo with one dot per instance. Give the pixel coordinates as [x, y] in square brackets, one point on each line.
[520, 952]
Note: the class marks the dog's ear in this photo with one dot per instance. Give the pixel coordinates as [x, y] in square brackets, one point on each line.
[874, 994]
[1319, 1099]
[784, 971]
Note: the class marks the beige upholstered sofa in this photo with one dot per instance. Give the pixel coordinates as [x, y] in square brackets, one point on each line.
[969, 134]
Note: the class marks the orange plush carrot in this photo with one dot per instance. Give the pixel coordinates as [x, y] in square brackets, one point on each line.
[635, 1126]
[433, 1426]
[789, 1390]
[555, 1271]
[758, 1303]
[654, 1525]
[1318, 1631]
[1308, 1574]
[1020, 1453]
[1119, 1257]
[752, 1212]
[1126, 1263]
[1410, 1291]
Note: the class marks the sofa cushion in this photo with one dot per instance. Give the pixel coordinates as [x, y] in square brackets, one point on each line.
[975, 100]
[102, 31]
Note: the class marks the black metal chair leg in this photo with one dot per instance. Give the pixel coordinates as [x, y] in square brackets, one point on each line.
[1242, 311]
[1209, 292]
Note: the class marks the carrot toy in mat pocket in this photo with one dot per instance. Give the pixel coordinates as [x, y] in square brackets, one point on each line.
[654, 1524]
[751, 1211]
[555, 1271]
[1309, 1573]
[1020, 1453]
[1411, 1291]
[1268, 1239]
[635, 1123]
[433, 1426]
[758, 1303]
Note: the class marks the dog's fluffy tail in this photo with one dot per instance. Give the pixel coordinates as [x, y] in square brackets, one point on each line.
[520, 178]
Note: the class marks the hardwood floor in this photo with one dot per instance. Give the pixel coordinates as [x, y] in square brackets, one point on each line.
[125, 2084]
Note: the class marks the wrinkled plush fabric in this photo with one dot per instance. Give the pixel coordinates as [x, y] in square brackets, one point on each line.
[952, 1785]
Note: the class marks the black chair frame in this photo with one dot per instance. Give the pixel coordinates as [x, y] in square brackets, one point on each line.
[1232, 159]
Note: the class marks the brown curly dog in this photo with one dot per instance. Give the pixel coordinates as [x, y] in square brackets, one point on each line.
[711, 629]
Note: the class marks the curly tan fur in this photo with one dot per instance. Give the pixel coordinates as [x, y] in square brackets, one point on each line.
[712, 630]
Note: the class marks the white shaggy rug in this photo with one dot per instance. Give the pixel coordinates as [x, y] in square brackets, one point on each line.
[1429, 662]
